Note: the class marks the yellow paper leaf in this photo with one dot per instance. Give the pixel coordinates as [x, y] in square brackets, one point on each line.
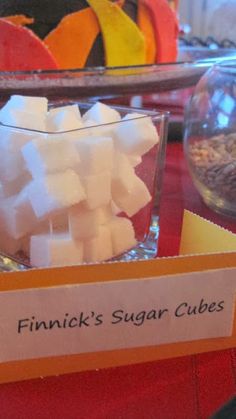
[123, 41]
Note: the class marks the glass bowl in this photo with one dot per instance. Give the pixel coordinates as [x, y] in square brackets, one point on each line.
[210, 137]
[44, 223]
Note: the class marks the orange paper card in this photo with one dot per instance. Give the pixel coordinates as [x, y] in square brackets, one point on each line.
[61, 320]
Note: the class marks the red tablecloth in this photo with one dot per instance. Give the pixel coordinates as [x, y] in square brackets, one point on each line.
[183, 388]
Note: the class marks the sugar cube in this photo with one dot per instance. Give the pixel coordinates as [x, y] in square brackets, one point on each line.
[99, 248]
[55, 250]
[64, 118]
[122, 235]
[135, 135]
[12, 247]
[96, 155]
[97, 189]
[9, 188]
[41, 228]
[22, 119]
[11, 166]
[84, 223]
[89, 128]
[50, 156]
[134, 200]
[104, 214]
[11, 141]
[55, 192]
[123, 174]
[101, 114]
[17, 217]
[32, 104]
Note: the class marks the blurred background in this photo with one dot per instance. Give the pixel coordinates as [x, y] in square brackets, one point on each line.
[207, 31]
[209, 19]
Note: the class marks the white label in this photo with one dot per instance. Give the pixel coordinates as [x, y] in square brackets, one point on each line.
[94, 317]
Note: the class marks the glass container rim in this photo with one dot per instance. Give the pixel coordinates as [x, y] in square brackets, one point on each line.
[156, 116]
[227, 65]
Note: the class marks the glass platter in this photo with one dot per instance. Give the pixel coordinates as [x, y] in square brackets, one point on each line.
[103, 81]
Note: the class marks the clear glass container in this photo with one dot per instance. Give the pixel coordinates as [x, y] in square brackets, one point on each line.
[210, 137]
[37, 200]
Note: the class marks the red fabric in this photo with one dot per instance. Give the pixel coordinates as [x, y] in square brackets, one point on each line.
[190, 387]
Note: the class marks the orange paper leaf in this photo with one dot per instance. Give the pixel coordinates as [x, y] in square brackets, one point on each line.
[72, 40]
[20, 20]
[145, 25]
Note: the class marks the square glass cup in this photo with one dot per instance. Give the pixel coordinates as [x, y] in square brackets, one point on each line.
[20, 218]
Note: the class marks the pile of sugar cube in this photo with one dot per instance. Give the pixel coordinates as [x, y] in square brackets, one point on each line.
[67, 182]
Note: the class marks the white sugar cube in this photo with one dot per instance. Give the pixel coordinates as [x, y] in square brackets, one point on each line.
[122, 235]
[11, 246]
[97, 189]
[99, 248]
[135, 135]
[17, 217]
[9, 188]
[22, 119]
[84, 223]
[49, 156]
[55, 250]
[134, 200]
[101, 114]
[41, 228]
[104, 214]
[55, 192]
[12, 164]
[32, 104]
[64, 118]
[13, 140]
[134, 160]
[68, 108]
[96, 154]
[93, 129]
[123, 174]
[87, 129]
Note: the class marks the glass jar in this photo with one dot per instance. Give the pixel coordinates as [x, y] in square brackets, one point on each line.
[82, 195]
[210, 137]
